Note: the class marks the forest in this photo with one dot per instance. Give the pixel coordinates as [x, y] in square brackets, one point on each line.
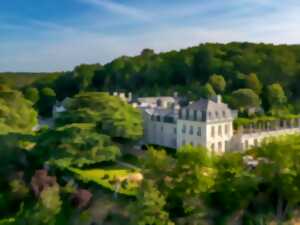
[267, 75]
[85, 170]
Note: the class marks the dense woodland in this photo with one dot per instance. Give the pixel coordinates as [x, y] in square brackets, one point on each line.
[189, 72]
[84, 170]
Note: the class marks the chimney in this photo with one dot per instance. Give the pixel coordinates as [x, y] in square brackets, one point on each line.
[217, 98]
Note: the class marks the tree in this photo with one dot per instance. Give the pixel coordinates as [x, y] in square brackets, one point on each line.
[276, 95]
[280, 172]
[45, 211]
[218, 83]
[149, 207]
[193, 178]
[207, 91]
[157, 165]
[32, 94]
[112, 115]
[16, 113]
[244, 99]
[235, 186]
[84, 74]
[74, 145]
[46, 102]
[252, 82]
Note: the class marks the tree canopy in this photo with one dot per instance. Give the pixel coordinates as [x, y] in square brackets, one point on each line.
[74, 145]
[113, 116]
[16, 113]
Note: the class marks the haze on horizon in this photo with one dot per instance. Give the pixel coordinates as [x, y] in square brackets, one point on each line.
[56, 35]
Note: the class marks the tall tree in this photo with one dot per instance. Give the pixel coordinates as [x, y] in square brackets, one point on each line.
[32, 94]
[276, 95]
[149, 208]
[245, 98]
[218, 83]
[16, 113]
[46, 102]
[252, 82]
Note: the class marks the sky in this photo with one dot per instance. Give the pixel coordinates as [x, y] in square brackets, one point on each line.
[56, 35]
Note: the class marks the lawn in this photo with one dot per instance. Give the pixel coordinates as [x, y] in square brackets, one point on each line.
[107, 179]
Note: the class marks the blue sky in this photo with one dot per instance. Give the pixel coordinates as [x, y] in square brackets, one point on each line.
[55, 35]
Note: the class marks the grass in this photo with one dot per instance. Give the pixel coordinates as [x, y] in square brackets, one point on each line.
[107, 179]
[7, 221]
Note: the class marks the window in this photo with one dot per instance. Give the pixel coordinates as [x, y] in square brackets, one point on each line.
[195, 115]
[226, 129]
[187, 114]
[175, 130]
[199, 116]
[220, 130]
[199, 131]
[183, 128]
[191, 130]
[162, 129]
[203, 117]
[220, 146]
[212, 131]
[246, 144]
[158, 118]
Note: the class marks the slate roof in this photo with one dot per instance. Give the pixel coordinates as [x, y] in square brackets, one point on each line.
[206, 105]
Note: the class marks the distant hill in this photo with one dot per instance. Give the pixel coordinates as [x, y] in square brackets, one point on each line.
[20, 80]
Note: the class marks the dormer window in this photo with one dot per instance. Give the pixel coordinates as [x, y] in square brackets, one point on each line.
[224, 114]
[217, 114]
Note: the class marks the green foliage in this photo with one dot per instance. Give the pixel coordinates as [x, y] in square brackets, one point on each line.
[276, 98]
[46, 102]
[281, 172]
[113, 116]
[32, 94]
[149, 208]
[16, 113]
[235, 186]
[84, 74]
[75, 144]
[45, 211]
[207, 91]
[20, 80]
[252, 82]
[218, 83]
[245, 98]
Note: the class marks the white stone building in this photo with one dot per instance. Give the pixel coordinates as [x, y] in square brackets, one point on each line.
[207, 123]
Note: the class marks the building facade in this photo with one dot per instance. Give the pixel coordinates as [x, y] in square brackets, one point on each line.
[207, 123]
